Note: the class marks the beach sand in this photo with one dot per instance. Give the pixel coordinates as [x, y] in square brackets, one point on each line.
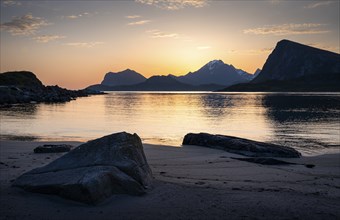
[190, 182]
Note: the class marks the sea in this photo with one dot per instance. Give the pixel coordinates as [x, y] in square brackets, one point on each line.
[308, 122]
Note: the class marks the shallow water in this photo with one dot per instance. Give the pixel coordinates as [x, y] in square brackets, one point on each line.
[308, 122]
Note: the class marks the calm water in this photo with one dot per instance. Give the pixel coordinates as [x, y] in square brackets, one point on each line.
[306, 121]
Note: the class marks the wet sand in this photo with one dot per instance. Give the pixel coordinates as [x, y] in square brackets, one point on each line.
[190, 182]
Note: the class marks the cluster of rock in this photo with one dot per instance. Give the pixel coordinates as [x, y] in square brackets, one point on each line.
[94, 171]
[25, 87]
[240, 145]
[53, 148]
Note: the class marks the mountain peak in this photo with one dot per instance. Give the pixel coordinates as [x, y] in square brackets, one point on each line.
[125, 77]
[212, 64]
[290, 60]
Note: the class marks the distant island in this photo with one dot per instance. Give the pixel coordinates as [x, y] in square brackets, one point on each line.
[290, 67]
[25, 87]
[212, 76]
[293, 67]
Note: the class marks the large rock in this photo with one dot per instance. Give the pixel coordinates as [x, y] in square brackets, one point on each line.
[239, 145]
[94, 171]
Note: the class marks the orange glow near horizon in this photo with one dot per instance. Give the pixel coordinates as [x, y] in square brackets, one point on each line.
[74, 44]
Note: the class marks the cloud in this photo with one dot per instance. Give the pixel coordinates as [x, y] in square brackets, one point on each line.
[8, 3]
[252, 51]
[84, 44]
[324, 47]
[78, 15]
[288, 29]
[174, 4]
[318, 4]
[25, 25]
[159, 34]
[47, 38]
[139, 22]
[133, 16]
[203, 47]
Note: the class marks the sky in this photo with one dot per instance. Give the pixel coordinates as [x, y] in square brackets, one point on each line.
[74, 43]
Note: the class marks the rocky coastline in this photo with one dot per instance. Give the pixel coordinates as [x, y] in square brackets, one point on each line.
[24, 87]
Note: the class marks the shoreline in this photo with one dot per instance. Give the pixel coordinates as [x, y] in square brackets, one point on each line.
[32, 138]
[189, 182]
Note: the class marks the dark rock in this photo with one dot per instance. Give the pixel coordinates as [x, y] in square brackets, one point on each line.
[94, 171]
[53, 148]
[239, 145]
[25, 87]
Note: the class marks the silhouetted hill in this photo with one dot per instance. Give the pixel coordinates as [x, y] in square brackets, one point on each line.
[296, 67]
[126, 77]
[24, 87]
[158, 83]
[214, 72]
[290, 60]
[20, 79]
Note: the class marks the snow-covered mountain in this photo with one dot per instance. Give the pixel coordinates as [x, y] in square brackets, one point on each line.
[216, 72]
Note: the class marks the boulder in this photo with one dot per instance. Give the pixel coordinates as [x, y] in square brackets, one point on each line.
[53, 148]
[94, 171]
[240, 145]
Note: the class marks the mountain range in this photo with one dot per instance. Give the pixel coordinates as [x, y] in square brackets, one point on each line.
[296, 67]
[290, 67]
[212, 76]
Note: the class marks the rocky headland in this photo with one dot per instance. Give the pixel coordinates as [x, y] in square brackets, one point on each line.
[25, 87]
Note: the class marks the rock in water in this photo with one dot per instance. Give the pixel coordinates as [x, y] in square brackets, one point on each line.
[53, 148]
[94, 171]
[239, 145]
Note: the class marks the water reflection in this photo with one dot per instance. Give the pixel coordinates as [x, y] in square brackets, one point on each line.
[215, 105]
[300, 120]
[307, 122]
[21, 111]
[301, 108]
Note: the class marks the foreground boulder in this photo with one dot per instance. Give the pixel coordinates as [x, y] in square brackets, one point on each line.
[239, 145]
[53, 148]
[94, 171]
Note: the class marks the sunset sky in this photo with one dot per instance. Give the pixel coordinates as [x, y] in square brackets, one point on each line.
[74, 43]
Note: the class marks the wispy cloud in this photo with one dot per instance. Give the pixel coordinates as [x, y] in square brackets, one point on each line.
[8, 3]
[47, 38]
[84, 44]
[25, 25]
[324, 47]
[203, 47]
[174, 4]
[133, 16]
[139, 22]
[252, 51]
[318, 4]
[159, 34]
[288, 29]
[78, 15]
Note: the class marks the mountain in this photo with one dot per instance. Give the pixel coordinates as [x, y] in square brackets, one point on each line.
[214, 72]
[158, 83]
[296, 67]
[290, 60]
[257, 72]
[245, 75]
[126, 77]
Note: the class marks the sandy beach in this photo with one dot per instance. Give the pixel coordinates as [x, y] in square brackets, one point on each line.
[190, 182]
